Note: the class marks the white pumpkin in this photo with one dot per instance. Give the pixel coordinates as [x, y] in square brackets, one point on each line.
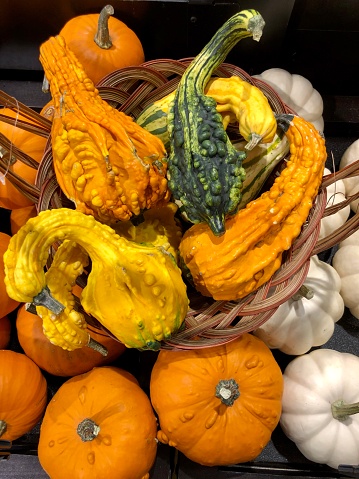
[335, 194]
[314, 384]
[346, 263]
[298, 93]
[300, 323]
[350, 155]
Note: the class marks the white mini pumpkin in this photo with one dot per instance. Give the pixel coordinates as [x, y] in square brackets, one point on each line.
[318, 387]
[300, 323]
[350, 155]
[298, 93]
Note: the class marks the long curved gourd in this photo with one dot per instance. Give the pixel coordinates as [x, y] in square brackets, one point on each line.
[205, 172]
[249, 253]
[135, 291]
[238, 101]
[104, 162]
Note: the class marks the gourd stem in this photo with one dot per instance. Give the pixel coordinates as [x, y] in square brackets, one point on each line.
[96, 346]
[88, 430]
[102, 37]
[343, 411]
[227, 391]
[3, 426]
[45, 299]
[303, 292]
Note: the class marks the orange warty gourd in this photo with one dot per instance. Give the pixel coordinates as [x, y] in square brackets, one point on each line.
[23, 395]
[102, 43]
[5, 332]
[54, 359]
[100, 424]
[218, 405]
[19, 217]
[7, 304]
[250, 251]
[31, 144]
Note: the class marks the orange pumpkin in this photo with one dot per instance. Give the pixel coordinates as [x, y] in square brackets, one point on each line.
[100, 424]
[31, 144]
[5, 332]
[102, 43]
[23, 394]
[7, 304]
[56, 360]
[19, 217]
[218, 405]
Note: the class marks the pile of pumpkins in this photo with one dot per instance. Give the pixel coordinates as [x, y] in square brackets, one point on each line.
[218, 405]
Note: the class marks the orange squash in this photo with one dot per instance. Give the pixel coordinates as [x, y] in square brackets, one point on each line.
[100, 424]
[5, 332]
[218, 405]
[19, 217]
[31, 144]
[102, 43]
[7, 304]
[23, 394]
[56, 360]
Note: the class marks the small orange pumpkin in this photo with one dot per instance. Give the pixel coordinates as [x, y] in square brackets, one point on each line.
[218, 405]
[102, 43]
[5, 332]
[23, 394]
[99, 424]
[56, 360]
[7, 304]
[31, 144]
[19, 217]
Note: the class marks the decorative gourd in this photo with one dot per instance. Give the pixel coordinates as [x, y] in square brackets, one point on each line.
[308, 318]
[205, 172]
[31, 144]
[19, 216]
[5, 332]
[102, 43]
[297, 92]
[104, 162]
[336, 192]
[237, 100]
[56, 360]
[350, 155]
[159, 227]
[346, 263]
[250, 251]
[7, 304]
[218, 405]
[23, 395]
[320, 406]
[99, 424]
[135, 291]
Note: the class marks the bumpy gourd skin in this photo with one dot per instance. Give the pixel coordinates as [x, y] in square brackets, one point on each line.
[205, 172]
[136, 291]
[249, 253]
[104, 162]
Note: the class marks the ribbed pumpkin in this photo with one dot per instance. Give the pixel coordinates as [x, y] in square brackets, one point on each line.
[54, 359]
[99, 425]
[218, 405]
[23, 395]
[7, 304]
[19, 217]
[31, 144]
[5, 332]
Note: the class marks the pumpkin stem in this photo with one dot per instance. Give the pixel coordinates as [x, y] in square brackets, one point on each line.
[88, 430]
[227, 391]
[45, 299]
[96, 346]
[303, 292]
[3, 426]
[102, 37]
[343, 411]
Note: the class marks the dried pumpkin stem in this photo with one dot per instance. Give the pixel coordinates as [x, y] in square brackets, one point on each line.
[343, 411]
[303, 292]
[3, 427]
[227, 391]
[96, 346]
[102, 37]
[88, 430]
[44, 298]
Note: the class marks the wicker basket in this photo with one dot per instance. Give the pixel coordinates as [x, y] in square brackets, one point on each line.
[208, 322]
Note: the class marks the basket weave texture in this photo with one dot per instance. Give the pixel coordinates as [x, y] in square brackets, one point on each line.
[208, 322]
